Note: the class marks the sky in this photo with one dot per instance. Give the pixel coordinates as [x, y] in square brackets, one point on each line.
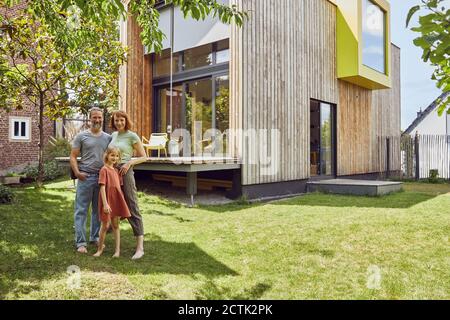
[417, 88]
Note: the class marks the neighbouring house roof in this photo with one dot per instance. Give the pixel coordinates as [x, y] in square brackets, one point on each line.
[426, 112]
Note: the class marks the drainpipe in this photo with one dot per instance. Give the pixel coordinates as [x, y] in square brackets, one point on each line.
[172, 23]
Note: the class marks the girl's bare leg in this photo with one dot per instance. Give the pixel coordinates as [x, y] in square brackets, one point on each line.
[116, 230]
[101, 240]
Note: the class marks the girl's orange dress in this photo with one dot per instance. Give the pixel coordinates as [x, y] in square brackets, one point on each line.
[112, 180]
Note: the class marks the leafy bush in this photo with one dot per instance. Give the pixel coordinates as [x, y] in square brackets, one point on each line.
[433, 177]
[6, 195]
[12, 174]
[57, 147]
[51, 171]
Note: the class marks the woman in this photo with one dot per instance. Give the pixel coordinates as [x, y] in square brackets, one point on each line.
[129, 143]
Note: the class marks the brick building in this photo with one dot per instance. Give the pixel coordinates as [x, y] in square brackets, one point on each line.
[19, 138]
[19, 131]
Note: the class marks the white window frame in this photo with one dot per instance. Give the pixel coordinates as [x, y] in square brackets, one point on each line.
[27, 121]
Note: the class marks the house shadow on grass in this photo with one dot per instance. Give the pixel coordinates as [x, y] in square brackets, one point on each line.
[36, 246]
[399, 200]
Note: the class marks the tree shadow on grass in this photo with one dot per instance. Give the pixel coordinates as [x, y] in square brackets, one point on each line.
[163, 214]
[36, 245]
[166, 257]
[157, 200]
[210, 291]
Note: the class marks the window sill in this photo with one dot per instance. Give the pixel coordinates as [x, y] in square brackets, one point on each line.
[19, 140]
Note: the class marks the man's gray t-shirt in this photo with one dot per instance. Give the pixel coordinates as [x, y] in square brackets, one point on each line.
[92, 149]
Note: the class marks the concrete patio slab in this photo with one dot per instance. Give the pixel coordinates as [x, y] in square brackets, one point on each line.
[354, 187]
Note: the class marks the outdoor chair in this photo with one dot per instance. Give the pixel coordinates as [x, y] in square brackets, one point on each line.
[158, 141]
[217, 145]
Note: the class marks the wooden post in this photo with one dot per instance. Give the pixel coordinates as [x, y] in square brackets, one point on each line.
[64, 127]
[416, 151]
[191, 185]
[236, 190]
[447, 141]
[388, 157]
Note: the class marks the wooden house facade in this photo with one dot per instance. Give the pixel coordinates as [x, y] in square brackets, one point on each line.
[306, 89]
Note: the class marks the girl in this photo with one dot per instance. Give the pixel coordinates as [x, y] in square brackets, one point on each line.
[112, 205]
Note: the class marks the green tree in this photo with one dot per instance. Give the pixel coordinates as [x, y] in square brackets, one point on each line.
[102, 12]
[36, 70]
[73, 58]
[434, 40]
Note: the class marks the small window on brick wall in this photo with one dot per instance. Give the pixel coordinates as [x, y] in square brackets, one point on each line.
[19, 128]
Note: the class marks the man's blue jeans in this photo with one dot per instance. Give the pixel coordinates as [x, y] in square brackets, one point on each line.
[87, 194]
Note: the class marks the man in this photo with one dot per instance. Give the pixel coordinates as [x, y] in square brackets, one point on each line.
[90, 145]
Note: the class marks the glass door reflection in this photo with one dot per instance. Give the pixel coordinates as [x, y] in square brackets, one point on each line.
[198, 95]
[322, 139]
[201, 108]
[163, 110]
[326, 140]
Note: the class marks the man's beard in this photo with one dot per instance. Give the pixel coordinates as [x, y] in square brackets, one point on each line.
[96, 125]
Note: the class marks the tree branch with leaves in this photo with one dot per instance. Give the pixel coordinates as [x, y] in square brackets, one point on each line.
[56, 80]
[64, 53]
[434, 27]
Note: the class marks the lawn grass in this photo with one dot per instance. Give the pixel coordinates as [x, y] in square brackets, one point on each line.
[316, 246]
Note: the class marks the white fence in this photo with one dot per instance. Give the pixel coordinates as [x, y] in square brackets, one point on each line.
[431, 152]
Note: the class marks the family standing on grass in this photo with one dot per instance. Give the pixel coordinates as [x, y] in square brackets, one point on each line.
[106, 182]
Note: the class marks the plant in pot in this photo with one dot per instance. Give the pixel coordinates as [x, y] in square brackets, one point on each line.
[433, 176]
[6, 195]
[11, 178]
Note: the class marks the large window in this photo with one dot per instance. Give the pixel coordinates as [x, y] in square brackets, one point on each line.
[162, 63]
[199, 99]
[222, 102]
[374, 36]
[223, 52]
[198, 57]
[167, 116]
[191, 59]
[198, 111]
[201, 107]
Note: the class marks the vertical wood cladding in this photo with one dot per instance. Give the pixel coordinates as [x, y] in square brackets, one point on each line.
[365, 119]
[139, 93]
[287, 56]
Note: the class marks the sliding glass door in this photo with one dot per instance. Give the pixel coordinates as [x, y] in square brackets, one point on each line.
[198, 106]
[166, 116]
